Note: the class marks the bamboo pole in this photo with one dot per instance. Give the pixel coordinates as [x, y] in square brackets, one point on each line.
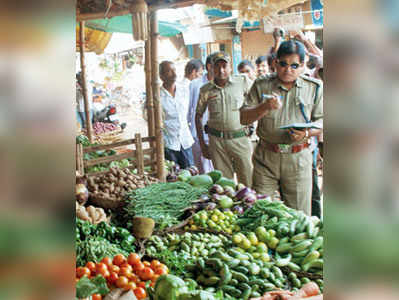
[84, 83]
[148, 88]
[140, 155]
[156, 98]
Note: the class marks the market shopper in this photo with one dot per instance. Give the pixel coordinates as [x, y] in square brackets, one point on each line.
[229, 145]
[261, 66]
[282, 159]
[174, 98]
[203, 164]
[246, 67]
[80, 107]
[193, 69]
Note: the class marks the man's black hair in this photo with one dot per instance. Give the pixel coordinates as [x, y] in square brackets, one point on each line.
[260, 59]
[291, 47]
[194, 64]
[162, 66]
[244, 63]
[209, 59]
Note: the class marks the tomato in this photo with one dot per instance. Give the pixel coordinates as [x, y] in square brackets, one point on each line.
[122, 282]
[138, 267]
[101, 267]
[152, 284]
[146, 263]
[115, 269]
[125, 272]
[141, 284]
[130, 286]
[155, 264]
[104, 273]
[146, 274]
[107, 260]
[119, 259]
[82, 271]
[91, 266]
[140, 293]
[161, 271]
[126, 265]
[155, 277]
[133, 277]
[96, 297]
[133, 258]
[113, 277]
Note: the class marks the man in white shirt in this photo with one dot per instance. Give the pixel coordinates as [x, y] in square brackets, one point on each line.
[175, 100]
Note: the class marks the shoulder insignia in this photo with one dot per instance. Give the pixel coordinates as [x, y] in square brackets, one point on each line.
[311, 79]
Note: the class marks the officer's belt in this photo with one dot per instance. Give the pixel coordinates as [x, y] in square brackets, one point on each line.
[227, 134]
[284, 148]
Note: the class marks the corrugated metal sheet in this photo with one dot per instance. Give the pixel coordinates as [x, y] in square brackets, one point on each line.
[95, 40]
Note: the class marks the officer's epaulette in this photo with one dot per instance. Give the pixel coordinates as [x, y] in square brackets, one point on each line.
[206, 86]
[312, 79]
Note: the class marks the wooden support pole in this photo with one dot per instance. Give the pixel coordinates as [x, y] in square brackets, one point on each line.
[160, 152]
[140, 154]
[84, 82]
[148, 89]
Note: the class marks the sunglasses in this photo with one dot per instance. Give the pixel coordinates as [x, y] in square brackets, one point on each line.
[284, 64]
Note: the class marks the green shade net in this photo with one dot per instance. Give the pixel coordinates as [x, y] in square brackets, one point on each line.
[123, 24]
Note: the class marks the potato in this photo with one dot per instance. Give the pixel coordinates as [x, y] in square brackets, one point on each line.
[82, 214]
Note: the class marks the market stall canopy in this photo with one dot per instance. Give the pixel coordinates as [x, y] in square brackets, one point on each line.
[95, 40]
[123, 24]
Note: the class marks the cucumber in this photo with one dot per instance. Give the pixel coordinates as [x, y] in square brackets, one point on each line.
[242, 269]
[225, 275]
[300, 254]
[223, 256]
[255, 294]
[293, 227]
[310, 229]
[239, 276]
[292, 276]
[296, 283]
[299, 237]
[233, 263]
[246, 294]
[305, 280]
[317, 243]
[283, 248]
[265, 273]
[215, 263]
[282, 262]
[211, 280]
[277, 272]
[243, 286]
[233, 282]
[302, 246]
[284, 240]
[317, 264]
[232, 290]
[311, 256]
[294, 266]
[269, 287]
[254, 269]
[245, 263]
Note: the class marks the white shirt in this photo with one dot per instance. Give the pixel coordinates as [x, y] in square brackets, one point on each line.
[176, 131]
[79, 97]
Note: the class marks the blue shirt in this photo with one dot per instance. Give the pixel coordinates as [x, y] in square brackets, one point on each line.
[195, 87]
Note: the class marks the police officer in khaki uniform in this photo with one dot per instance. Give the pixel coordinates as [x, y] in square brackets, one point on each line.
[282, 158]
[229, 145]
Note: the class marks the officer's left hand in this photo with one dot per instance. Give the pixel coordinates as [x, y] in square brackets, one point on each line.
[296, 135]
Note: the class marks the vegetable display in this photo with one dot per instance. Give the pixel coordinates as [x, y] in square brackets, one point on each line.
[214, 220]
[119, 271]
[117, 183]
[163, 202]
[94, 242]
[101, 127]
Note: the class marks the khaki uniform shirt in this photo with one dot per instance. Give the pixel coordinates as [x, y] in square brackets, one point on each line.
[306, 90]
[224, 103]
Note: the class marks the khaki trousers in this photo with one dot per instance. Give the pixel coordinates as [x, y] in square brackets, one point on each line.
[290, 172]
[232, 156]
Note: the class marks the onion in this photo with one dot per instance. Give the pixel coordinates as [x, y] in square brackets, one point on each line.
[216, 189]
[248, 205]
[242, 193]
[250, 198]
[240, 186]
[262, 196]
[238, 209]
[229, 191]
[193, 170]
[216, 197]
[204, 198]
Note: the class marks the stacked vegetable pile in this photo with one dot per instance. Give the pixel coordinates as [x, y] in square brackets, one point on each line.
[215, 220]
[117, 183]
[179, 250]
[100, 127]
[94, 242]
[92, 214]
[163, 202]
[129, 273]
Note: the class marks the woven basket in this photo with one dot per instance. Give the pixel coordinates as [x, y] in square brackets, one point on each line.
[106, 203]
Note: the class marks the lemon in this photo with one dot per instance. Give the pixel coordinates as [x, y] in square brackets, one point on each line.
[253, 239]
[193, 227]
[214, 218]
[245, 244]
[262, 247]
[264, 257]
[204, 217]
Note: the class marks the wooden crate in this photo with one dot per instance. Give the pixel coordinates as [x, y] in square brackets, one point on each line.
[143, 155]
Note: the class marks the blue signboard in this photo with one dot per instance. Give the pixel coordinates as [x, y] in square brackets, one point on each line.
[317, 12]
[236, 52]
